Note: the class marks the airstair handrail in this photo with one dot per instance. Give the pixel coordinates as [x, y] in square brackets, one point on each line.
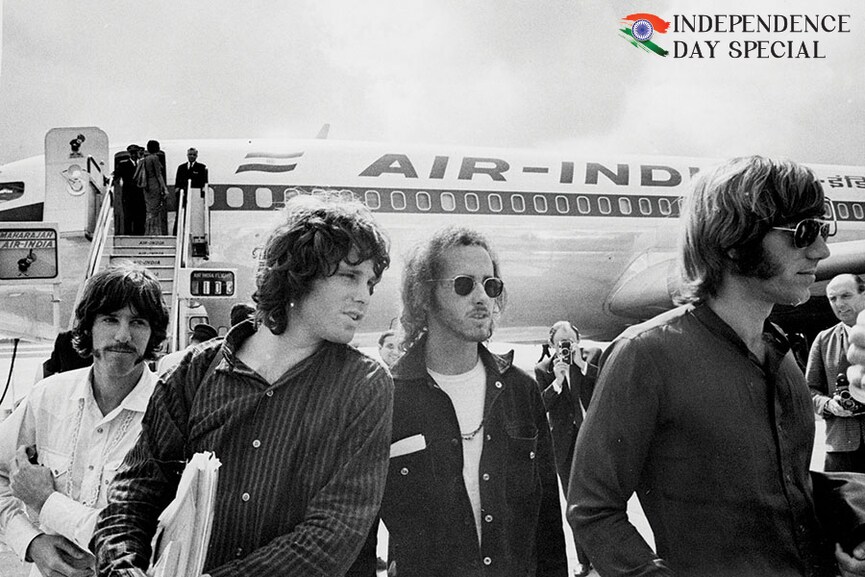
[181, 250]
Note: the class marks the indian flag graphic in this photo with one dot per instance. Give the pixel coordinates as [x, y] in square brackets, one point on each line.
[638, 29]
[269, 162]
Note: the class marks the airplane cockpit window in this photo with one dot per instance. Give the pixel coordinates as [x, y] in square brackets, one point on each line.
[857, 211]
[518, 203]
[397, 200]
[263, 197]
[625, 205]
[665, 207]
[234, 197]
[583, 205]
[843, 211]
[540, 203]
[472, 202]
[495, 202]
[645, 206]
[449, 203]
[423, 200]
[604, 205]
[372, 199]
[562, 204]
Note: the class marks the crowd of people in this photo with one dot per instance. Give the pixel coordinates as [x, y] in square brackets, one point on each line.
[702, 412]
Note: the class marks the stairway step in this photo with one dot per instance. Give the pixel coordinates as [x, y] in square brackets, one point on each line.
[148, 260]
[145, 241]
[141, 250]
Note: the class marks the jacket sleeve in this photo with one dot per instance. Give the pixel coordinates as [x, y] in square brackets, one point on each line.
[545, 380]
[815, 374]
[611, 450]
[839, 500]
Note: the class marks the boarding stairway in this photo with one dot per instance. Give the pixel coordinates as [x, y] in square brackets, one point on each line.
[157, 253]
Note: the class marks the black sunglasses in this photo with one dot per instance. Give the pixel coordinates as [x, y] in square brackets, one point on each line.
[464, 285]
[807, 230]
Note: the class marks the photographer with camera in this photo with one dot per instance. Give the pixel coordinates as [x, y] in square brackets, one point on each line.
[567, 380]
[826, 376]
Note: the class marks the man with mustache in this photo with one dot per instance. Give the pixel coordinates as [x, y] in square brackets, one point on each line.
[61, 447]
[299, 419]
[471, 487]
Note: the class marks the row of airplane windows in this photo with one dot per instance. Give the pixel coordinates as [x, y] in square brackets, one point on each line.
[517, 203]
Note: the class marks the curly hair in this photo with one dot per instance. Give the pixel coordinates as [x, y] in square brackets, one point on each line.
[730, 211]
[121, 285]
[427, 262]
[317, 235]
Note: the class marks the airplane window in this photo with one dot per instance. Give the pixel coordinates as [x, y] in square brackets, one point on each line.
[346, 195]
[397, 200]
[583, 205]
[423, 200]
[540, 203]
[518, 203]
[263, 197]
[604, 205]
[372, 199]
[857, 211]
[495, 202]
[645, 206]
[665, 207]
[449, 203]
[843, 211]
[562, 204]
[625, 205]
[234, 197]
[472, 202]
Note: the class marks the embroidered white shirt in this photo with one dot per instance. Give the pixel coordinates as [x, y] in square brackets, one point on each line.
[82, 448]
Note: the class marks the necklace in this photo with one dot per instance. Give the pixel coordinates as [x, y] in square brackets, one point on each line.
[470, 436]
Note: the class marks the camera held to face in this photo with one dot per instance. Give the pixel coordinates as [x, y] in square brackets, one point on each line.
[566, 351]
[842, 395]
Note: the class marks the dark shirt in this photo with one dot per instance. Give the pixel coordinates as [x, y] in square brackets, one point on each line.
[717, 446]
[304, 462]
[426, 505]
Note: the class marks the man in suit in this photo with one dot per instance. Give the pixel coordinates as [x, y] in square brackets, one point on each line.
[567, 380]
[132, 210]
[845, 448]
[189, 170]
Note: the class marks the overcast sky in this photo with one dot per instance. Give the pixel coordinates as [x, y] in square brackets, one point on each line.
[535, 74]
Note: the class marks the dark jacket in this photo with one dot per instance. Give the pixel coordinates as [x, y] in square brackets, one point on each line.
[426, 506]
[564, 409]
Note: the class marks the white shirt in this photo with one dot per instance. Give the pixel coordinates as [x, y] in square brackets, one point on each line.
[82, 448]
[468, 392]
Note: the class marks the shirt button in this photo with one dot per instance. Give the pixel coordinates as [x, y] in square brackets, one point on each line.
[90, 467]
[486, 477]
[531, 454]
[488, 518]
[239, 552]
[269, 393]
[99, 430]
[489, 437]
[488, 561]
[244, 497]
[256, 443]
[498, 386]
[403, 471]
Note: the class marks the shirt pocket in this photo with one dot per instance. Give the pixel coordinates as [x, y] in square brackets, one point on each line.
[108, 472]
[522, 446]
[409, 479]
[58, 463]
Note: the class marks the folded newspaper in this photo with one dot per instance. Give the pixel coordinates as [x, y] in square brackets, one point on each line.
[183, 533]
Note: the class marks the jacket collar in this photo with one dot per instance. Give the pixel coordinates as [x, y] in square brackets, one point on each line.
[412, 365]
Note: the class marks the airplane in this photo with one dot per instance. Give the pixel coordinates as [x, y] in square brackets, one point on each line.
[590, 239]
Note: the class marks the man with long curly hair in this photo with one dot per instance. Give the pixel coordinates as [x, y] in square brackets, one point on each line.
[299, 419]
[61, 447]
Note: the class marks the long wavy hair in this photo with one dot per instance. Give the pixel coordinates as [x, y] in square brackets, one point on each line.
[729, 212]
[425, 262]
[317, 235]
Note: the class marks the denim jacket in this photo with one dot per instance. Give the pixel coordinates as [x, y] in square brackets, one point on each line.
[426, 506]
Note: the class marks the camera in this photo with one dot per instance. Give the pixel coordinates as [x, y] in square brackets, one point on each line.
[844, 398]
[566, 351]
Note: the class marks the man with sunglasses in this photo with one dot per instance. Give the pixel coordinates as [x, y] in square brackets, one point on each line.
[471, 487]
[827, 361]
[703, 412]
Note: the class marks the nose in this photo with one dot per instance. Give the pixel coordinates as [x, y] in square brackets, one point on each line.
[819, 249]
[123, 333]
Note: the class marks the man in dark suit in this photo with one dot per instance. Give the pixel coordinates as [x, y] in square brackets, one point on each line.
[567, 380]
[189, 170]
[132, 210]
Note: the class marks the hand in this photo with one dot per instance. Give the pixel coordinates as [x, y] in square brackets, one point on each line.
[560, 370]
[851, 565]
[856, 353]
[834, 407]
[57, 556]
[33, 484]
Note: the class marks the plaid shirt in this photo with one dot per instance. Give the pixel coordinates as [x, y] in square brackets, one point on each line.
[304, 462]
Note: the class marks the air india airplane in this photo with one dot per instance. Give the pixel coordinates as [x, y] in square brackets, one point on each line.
[585, 238]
